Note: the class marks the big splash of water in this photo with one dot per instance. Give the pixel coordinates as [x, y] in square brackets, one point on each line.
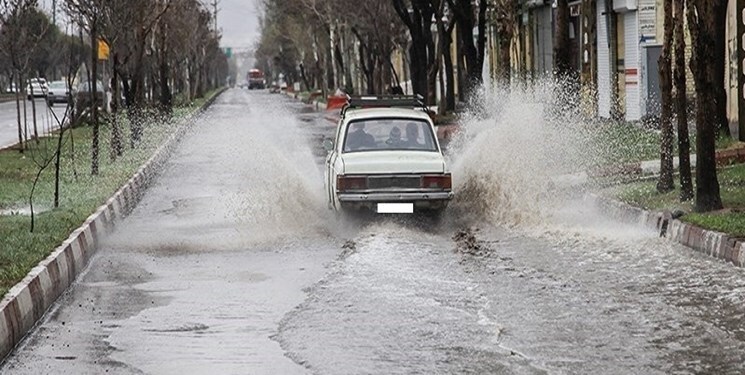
[513, 147]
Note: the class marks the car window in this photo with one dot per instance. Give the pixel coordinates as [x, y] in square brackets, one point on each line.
[389, 134]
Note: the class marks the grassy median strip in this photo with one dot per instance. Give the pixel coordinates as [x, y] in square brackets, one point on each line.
[731, 220]
[619, 142]
[80, 193]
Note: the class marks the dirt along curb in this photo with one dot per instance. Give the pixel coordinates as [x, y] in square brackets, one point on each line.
[28, 301]
[712, 243]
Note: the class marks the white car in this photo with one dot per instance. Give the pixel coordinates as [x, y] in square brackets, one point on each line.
[37, 88]
[386, 159]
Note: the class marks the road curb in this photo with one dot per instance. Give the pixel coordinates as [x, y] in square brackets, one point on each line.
[715, 244]
[28, 301]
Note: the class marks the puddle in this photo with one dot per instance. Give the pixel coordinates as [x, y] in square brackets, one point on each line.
[23, 211]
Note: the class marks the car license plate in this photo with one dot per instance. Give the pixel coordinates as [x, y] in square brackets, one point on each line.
[395, 208]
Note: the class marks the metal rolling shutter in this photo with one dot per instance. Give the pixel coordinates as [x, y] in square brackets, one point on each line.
[631, 65]
[603, 61]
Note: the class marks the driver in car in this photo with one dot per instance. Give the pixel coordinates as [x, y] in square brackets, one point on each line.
[359, 138]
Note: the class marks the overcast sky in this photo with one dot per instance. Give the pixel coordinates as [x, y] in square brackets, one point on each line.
[238, 19]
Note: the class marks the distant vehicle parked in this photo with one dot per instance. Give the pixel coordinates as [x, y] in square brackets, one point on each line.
[37, 88]
[11, 89]
[83, 96]
[256, 79]
[57, 92]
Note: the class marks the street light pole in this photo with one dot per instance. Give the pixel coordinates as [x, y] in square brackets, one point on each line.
[215, 3]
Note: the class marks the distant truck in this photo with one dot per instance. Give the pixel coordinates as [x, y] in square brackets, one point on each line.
[255, 78]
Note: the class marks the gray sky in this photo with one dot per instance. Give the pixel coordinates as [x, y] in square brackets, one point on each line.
[238, 19]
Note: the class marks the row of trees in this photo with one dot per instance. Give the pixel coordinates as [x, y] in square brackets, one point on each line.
[706, 24]
[158, 49]
[320, 43]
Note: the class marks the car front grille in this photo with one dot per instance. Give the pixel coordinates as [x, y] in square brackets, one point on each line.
[394, 182]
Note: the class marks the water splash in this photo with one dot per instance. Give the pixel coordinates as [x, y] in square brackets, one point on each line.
[504, 157]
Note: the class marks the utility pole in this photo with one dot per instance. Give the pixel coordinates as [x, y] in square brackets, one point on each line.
[215, 3]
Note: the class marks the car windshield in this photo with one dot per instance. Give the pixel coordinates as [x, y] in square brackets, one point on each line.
[389, 134]
[58, 85]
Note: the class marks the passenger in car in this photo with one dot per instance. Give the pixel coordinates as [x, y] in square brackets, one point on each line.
[412, 136]
[394, 138]
[359, 138]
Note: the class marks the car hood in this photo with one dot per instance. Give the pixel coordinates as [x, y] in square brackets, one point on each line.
[393, 162]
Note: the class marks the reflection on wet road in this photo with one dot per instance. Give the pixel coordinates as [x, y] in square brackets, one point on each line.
[231, 264]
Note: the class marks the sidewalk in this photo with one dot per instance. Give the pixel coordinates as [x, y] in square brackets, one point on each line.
[720, 234]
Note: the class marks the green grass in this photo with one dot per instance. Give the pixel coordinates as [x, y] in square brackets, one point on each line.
[80, 195]
[618, 143]
[732, 189]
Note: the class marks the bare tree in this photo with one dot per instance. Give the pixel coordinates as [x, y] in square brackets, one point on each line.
[681, 103]
[467, 18]
[417, 16]
[665, 181]
[702, 24]
[504, 16]
[22, 30]
[88, 14]
[562, 48]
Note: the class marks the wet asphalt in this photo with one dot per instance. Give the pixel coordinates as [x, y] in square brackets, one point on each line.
[46, 119]
[231, 264]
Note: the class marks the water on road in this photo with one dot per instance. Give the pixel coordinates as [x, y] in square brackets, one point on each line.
[232, 264]
[47, 119]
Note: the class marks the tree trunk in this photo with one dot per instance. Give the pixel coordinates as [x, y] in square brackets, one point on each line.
[433, 63]
[504, 67]
[681, 104]
[22, 87]
[166, 97]
[19, 92]
[466, 23]
[94, 101]
[418, 22]
[449, 76]
[57, 157]
[460, 66]
[719, 63]
[447, 88]
[562, 48]
[33, 116]
[665, 181]
[702, 25]
[116, 133]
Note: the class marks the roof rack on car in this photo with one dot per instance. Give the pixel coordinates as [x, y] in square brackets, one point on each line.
[384, 101]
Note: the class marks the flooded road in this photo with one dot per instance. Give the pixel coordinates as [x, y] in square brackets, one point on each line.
[232, 264]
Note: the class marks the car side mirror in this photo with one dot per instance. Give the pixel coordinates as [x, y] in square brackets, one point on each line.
[328, 145]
